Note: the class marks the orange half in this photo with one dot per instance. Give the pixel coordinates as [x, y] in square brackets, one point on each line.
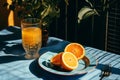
[77, 49]
[56, 60]
[69, 61]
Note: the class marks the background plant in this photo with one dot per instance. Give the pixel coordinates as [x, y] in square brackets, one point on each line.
[46, 10]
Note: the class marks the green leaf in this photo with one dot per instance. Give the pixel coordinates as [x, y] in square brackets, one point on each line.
[66, 1]
[89, 3]
[90, 13]
[86, 12]
[36, 4]
[45, 12]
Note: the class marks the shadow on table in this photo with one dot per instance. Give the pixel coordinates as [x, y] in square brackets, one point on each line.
[16, 49]
[40, 73]
[7, 59]
[55, 46]
[2, 44]
[15, 33]
[9, 34]
[12, 53]
[113, 69]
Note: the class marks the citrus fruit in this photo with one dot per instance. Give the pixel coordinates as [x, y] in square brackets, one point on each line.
[77, 49]
[69, 61]
[56, 60]
[65, 60]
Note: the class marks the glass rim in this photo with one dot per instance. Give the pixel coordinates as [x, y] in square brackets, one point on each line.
[30, 21]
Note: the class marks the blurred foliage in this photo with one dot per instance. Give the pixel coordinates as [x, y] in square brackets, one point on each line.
[45, 10]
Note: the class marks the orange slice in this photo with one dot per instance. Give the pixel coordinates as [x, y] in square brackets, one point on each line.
[77, 49]
[69, 61]
[56, 60]
[65, 60]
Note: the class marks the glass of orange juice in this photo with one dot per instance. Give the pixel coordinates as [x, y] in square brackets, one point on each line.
[31, 37]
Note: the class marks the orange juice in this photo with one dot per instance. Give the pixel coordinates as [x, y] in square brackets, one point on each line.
[32, 39]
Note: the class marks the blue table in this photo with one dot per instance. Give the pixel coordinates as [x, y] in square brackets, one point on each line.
[13, 66]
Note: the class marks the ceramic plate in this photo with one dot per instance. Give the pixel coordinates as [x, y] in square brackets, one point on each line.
[44, 62]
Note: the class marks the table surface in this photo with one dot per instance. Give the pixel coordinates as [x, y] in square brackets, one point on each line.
[13, 66]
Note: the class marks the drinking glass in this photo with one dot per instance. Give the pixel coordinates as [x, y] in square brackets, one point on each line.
[31, 37]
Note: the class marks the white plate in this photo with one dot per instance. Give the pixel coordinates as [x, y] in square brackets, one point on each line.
[44, 62]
